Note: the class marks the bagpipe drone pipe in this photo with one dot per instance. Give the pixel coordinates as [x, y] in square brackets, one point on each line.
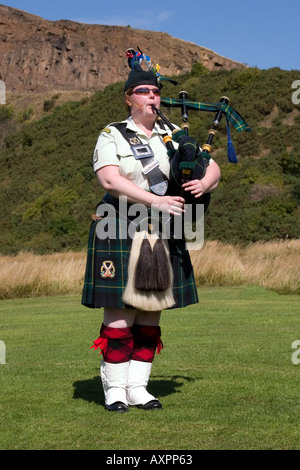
[189, 162]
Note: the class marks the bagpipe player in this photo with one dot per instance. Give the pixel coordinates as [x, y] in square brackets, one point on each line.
[134, 280]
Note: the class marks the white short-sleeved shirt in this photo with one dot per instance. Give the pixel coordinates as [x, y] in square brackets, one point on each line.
[113, 149]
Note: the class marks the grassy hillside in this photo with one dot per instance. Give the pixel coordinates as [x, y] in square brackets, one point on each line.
[48, 189]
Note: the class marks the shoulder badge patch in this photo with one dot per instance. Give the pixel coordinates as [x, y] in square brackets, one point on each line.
[106, 129]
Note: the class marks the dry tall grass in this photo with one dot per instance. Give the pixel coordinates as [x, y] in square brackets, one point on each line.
[275, 265]
[29, 275]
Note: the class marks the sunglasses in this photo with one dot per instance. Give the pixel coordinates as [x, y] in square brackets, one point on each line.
[145, 91]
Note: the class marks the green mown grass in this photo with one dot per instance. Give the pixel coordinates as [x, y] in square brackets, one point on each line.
[225, 376]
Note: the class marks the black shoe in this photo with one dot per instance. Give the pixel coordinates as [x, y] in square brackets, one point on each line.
[151, 405]
[118, 406]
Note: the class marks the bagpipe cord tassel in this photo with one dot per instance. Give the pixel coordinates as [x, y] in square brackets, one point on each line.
[232, 158]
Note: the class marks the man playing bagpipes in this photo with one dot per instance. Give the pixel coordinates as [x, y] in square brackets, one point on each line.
[135, 277]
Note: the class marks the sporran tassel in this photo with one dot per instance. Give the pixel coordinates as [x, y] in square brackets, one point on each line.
[145, 269]
[150, 275]
[160, 258]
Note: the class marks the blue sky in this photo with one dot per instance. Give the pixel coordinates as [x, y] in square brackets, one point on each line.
[260, 33]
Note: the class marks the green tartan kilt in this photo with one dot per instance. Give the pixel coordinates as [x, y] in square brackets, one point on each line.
[107, 269]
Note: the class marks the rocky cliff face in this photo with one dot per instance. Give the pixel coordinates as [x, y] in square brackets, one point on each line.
[38, 55]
